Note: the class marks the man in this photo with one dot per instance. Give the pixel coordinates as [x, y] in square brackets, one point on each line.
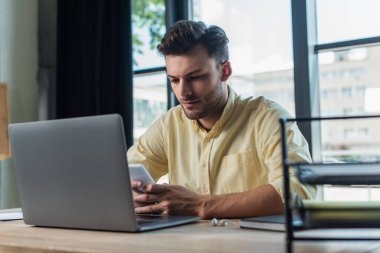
[222, 152]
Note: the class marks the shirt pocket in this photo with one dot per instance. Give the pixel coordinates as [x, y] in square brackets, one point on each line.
[239, 172]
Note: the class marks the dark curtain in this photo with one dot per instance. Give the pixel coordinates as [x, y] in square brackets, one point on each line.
[94, 60]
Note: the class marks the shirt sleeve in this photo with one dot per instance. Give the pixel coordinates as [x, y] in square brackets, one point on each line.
[149, 150]
[298, 151]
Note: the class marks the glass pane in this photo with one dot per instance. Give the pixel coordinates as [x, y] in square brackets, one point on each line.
[350, 85]
[341, 193]
[150, 100]
[260, 45]
[148, 26]
[350, 81]
[340, 20]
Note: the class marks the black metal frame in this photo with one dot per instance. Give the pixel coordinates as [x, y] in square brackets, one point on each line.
[306, 68]
[175, 10]
[149, 71]
[290, 237]
[342, 45]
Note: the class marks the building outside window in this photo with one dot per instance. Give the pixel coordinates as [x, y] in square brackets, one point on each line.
[354, 74]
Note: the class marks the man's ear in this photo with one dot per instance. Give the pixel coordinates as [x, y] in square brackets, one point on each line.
[226, 70]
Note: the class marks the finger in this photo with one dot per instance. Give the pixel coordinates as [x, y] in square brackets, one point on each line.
[146, 198]
[138, 204]
[136, 193]
[156, 188]
[136, 184]
[149, 209]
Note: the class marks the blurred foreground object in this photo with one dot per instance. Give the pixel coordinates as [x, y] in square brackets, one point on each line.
[5, 151]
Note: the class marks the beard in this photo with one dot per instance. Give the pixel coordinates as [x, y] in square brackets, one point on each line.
[210, 104]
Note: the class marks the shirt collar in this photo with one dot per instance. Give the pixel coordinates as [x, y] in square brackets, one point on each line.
[226, 114]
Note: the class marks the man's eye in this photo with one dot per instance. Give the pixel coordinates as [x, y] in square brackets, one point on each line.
[174, 81]
[194, 77]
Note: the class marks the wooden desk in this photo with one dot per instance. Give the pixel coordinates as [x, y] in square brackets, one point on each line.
[15, 236]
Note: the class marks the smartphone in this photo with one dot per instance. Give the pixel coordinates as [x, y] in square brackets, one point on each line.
[139, 172]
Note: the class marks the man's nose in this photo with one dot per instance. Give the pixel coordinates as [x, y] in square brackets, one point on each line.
[185, 89]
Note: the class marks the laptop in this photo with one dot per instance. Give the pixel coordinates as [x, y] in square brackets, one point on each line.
[73, 173]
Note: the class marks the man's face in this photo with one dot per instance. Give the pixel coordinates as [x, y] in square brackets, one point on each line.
[198, 81]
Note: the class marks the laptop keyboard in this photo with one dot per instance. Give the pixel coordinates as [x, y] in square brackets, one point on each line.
[146, 219]
[144, 222]
[159, 221]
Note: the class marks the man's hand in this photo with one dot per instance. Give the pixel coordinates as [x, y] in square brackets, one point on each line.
[166, 199]
[177, 200]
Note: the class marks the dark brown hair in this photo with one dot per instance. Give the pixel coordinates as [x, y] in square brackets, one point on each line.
[186, 34]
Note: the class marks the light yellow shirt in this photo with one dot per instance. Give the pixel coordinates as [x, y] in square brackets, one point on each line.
[242, 151]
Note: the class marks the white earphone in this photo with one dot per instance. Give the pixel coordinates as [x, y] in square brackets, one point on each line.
[216, 222]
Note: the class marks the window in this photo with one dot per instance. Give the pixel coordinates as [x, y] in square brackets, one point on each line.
[341, 20]
[360, 90]
[150, 100]
[330, 93]
[149, 82]
[260, 45]
[346, 92]
[346, 75]
[347, 54]
[343, 67]
[363, 132]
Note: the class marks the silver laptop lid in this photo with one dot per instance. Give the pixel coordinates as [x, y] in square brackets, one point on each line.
[73, 173]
